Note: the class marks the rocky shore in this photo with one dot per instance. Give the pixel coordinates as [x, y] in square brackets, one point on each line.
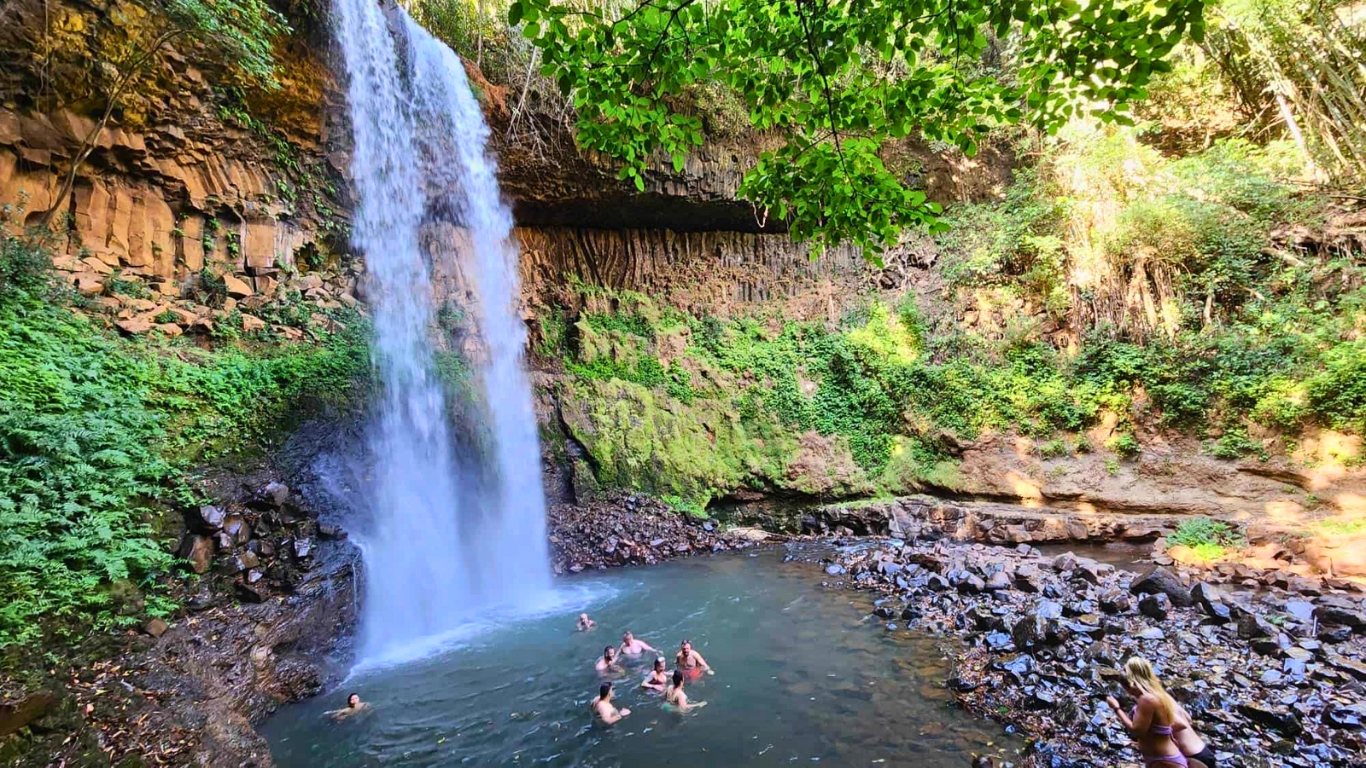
[1272, 676]
[623, 529]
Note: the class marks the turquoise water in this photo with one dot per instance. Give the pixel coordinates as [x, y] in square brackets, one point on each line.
[803, 677]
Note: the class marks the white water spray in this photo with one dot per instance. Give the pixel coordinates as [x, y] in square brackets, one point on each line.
[439, 546]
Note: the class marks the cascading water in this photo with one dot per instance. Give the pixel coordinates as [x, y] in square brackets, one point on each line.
[438, 545]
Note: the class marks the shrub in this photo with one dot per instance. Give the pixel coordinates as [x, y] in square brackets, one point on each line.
[1207, 539]
[23, 264]
[1053, 449]
[1124, 444]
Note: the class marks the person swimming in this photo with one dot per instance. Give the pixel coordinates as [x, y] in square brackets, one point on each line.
[353, 706]
[675, 696]
[586, 623]
[603, 709]
[690, 662]
[658, 679]
[631, 646]
[608, 662]
[1153, 718]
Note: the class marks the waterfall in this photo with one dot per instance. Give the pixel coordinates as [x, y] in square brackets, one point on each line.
[448, 535]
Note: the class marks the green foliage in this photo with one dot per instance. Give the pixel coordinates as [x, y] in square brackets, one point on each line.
[1054, 449]
[1207, 539]
[1124, 444]
[95, 434]
[693, 507]
[1235, 444]
[836, 81]
[23, 265]
[241, 32]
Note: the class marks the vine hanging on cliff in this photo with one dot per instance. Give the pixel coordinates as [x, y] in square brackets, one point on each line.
[836, 79]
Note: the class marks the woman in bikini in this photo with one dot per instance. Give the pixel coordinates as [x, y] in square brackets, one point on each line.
[658, 679]
[1153, 718]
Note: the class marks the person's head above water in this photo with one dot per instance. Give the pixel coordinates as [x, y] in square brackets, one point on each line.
[678, 678]
[627, 637]
[583, 617]
[609, 651]
[659, 664]
[1139, 679]
[605, 691]
[685, 646]
[353, 700]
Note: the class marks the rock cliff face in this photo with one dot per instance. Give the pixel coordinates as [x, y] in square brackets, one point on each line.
[192, 172]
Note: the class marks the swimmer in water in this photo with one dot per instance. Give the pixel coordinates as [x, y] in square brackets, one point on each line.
[603, 709]
[675, 696]
[608, 662]
[586, 623]
[353, 706]
[658, 679]
[633, 647]
[690, 662]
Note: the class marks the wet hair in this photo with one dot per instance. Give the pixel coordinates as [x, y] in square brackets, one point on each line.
[678, 677]
[608, 649]
[627, 633]
[659, 662]
[350, 696]
[604, 690]
[1139, 675]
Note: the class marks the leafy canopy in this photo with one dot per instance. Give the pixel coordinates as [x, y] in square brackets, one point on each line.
[837, 79]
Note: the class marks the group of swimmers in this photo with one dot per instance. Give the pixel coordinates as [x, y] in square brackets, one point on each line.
[688, 664]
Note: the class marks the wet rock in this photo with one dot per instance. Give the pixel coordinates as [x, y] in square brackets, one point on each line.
[1341, 612]
[1267, 646]
[198, 550]
[329, 531]
[1334, 634]
[1285, 722]
[971, 585]
[1250, 625]
[232, 565]
[25, 710]
[277, 494]
[205, 519]
[1160, 580]
[998, 581]
[1040, 698]
[1300, 610]
[1155, 606]
[1354, 668]
[251, 593]
[236, 527]
[1345, 718]
[303, 548]
[1115, 603]
[937, 583]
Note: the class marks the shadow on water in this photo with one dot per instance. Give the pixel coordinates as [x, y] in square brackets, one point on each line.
[801, 677]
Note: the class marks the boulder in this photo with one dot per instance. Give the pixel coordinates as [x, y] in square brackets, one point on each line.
[206, 519]
[1250, 626]
[1285, 722]
[1115, 602]
[1341, 612]
[237, 287]
[252, 324]
[19, 713]
[1155, 606]
[1160, 580]
[156, 627]
[198, 550]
